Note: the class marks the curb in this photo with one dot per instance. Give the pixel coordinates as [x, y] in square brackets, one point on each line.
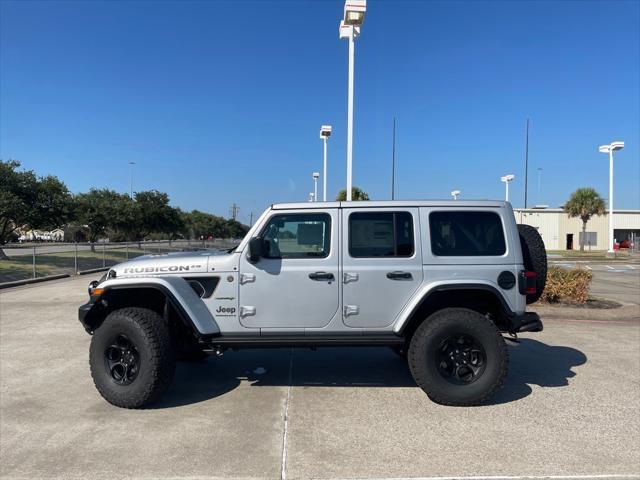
[27, 281]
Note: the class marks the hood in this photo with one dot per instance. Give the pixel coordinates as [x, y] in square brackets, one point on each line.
[181, 263]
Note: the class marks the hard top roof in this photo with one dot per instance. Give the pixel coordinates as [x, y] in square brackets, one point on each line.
[391, 204]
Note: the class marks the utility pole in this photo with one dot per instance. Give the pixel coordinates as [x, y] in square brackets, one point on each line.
[233, 210]
[250, 219]
[526, 166]
[393, 162]
[131, 164]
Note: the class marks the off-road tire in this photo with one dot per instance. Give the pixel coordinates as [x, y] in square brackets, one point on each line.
[426, 343]
[149, 333]
[534, 256]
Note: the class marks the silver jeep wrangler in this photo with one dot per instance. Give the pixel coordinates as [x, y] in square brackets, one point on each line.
[440, 282]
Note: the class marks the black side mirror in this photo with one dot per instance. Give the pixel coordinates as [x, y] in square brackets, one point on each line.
[256, 249]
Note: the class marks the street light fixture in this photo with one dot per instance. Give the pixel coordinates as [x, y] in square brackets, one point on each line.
[316, 176]
[455, 194]
[325, 133]
[354, 11]
[506, 179]
[613, 146]
[311, 196]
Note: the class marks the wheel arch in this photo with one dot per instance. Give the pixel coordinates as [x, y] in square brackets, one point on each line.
[172, 298]
[480, 297]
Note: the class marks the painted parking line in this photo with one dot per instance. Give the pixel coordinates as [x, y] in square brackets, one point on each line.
[609, 267]
[631, 267]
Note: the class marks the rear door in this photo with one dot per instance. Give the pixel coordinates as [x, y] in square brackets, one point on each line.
[382, 264]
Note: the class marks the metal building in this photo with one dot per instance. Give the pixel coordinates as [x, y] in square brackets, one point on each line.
[560, 232]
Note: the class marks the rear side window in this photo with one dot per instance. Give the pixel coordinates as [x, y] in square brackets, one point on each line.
[466, 234]
[381, 234]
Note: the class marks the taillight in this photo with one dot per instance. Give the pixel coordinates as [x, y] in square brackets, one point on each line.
[527, 284]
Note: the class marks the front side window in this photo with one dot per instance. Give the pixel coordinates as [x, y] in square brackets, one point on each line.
[298, 236]
[381, 234]
[466, 234]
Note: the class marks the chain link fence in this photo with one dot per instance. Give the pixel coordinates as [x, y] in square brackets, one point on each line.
[25, 261]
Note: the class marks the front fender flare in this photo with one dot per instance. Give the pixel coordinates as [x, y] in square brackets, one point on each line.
[182, 297]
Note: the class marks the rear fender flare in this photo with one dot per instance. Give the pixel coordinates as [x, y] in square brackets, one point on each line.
[423, 294]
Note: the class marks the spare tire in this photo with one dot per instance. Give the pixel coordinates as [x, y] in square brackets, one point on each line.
[534, 256]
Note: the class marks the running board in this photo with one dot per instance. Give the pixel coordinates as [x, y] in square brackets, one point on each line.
[305, 341]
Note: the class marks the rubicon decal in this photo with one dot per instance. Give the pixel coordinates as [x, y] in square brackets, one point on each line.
[169, 268]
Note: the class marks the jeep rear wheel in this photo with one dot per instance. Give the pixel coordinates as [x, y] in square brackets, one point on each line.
[458, 357]
[131, 358]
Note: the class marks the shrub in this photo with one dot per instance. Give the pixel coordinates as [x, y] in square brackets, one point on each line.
[567, 285]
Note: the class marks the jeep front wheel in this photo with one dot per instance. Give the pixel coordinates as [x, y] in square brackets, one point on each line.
[131, 357]
[458, 357]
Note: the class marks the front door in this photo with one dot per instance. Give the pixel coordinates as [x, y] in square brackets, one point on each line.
[296, 284]
[382, 264]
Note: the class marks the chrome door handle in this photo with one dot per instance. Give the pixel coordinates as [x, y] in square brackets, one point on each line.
[327, 277]
[399, 275]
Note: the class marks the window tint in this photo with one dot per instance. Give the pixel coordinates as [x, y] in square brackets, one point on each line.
[298, 236]
[465, 234]
[381, 234]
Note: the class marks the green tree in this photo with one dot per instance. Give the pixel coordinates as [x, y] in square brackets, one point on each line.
[28, 200]
[356, 194]
[153, 214]
[584, 203]
[98, 210]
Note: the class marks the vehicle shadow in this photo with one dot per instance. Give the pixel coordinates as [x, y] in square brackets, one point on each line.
[531, 363]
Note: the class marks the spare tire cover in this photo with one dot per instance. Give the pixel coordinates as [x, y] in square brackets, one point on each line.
[534, 256]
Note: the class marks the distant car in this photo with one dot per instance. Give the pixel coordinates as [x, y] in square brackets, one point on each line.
[626, 244]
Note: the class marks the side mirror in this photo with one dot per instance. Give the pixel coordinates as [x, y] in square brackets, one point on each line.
[256, 249]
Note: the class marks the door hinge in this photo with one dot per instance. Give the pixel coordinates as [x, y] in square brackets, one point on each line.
[350, 277]
[246, 311]
[351, 310]
[247, 278]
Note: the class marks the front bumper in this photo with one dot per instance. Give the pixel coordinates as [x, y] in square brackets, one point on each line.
[84, 316]
[526, 322]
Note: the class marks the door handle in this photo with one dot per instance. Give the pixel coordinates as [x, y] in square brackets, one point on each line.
[327, 277]
[399, 275]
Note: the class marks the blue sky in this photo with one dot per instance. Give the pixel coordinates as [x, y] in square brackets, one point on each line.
[220, 102]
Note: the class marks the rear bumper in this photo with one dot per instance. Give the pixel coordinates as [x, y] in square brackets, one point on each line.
[526, 322]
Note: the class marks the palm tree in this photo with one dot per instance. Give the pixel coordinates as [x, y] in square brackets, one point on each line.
[356, 194]
[584, 203]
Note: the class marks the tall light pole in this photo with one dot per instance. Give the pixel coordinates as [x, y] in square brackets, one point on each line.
[316, 176]
[506, 179]
[613, 146]
[354, 11]
[131, 164]
[325, 133]
[455, 194]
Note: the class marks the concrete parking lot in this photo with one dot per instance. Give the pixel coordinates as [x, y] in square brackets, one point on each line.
[569, 408]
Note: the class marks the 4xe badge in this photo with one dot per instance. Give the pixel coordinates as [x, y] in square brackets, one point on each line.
[226, 311]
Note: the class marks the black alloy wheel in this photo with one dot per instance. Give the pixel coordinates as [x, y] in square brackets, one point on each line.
[461, 359]
[122, 360]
